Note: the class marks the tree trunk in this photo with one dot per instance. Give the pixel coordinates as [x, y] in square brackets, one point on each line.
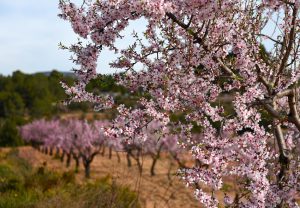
[62, 156]
[128, 160]
[284, 154]
[137, 158]
[180, 164]
[87, 168]
[57, 152]
[139, 165]
[103, 151]
[118, 156]
[110, 153]
[46, 150]
[152, 170]
[155, 158]
[51, 151]
[169, 172]
[68, 162]
[76, 164]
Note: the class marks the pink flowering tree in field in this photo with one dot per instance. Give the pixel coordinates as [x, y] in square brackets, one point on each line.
[112, 144]
[76, 138]
[70, 133]
[39, 133]
[30, 136]
[51, 133]
[153, 145]
[160, 140]
[194, 54]
[87, 141]
[139, 132]
[65, 142]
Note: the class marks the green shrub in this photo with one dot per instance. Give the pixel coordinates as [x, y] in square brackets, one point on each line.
[68, 177]
[43, 180]
[8, 180]
[107, 194]
[21, 186]
[9, 134]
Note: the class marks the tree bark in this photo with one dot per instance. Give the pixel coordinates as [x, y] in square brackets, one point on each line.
[128, 160]
[103, 151]
[110, 153]
[152, 170]
[140, 167]
[57, 152]
[68, 162]
[137, 159]
[118, 156]
[76, 164]
[155, 158]
[62, 156]
[87, 168]
[169, 172]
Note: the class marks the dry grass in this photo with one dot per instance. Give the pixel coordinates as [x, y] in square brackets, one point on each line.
[159, 191]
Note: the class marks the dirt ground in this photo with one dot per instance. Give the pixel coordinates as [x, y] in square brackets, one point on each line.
[159, 191]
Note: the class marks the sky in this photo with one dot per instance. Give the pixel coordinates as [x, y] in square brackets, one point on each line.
[30, 32]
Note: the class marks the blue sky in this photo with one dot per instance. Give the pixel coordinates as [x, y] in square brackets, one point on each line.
[30, 32]
[29, 35]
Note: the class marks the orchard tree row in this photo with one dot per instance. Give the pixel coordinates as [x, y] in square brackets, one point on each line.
[82, 141]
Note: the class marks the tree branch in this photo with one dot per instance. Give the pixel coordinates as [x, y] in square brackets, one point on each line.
[291, 39]
[293, 116]
[200, 41]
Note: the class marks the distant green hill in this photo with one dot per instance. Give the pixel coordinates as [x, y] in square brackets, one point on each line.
[24, 97]
[64, 73]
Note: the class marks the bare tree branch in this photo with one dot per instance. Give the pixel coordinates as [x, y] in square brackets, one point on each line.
[293, 116]
[291, 38]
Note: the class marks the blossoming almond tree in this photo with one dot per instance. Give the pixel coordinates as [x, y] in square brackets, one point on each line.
[193, 54]
[76, 138]
[112, 144]
[66, 141]
[88, 143]
[41, 133]
[138, 132]
[30, 136]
